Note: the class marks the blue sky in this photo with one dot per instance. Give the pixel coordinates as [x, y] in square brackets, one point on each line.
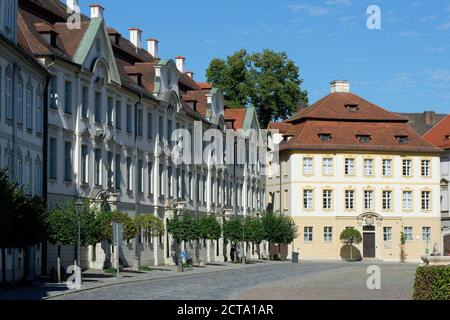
[403, 67]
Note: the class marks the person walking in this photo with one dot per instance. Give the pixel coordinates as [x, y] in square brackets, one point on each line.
[232, 252]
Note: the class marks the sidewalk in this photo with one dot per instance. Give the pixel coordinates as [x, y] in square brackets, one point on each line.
[97, 279]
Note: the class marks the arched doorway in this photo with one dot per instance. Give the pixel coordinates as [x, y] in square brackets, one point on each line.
[447, 244]
[369, 221]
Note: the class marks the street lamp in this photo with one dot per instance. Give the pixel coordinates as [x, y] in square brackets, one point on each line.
[79, 205]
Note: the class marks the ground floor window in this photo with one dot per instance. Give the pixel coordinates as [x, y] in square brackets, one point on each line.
[387, 234]
[408, 233]
[328, 234]
[308, 234]
[426, 233]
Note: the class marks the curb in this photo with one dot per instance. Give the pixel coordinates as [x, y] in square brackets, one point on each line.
[118, 283]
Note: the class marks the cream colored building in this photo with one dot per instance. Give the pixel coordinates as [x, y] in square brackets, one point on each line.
[346, 162]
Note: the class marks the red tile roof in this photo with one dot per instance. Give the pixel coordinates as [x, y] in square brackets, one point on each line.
[440, 134]
[236, 115]
[330, 115]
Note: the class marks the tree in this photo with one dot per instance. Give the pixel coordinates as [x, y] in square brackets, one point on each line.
[63, 228]
[106, 219]
[253, 230]
[233, 230]
[268, 81]
[279, 229]
[22, 220]
[351, 236]
[209, 227]
[149, 224]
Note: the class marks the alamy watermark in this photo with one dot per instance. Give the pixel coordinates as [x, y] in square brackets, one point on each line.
[374, 19]
[374, 280]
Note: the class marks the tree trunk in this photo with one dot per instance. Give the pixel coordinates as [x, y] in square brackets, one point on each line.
[351, 252]
[4, 265]
[25, 264]
[58, 264]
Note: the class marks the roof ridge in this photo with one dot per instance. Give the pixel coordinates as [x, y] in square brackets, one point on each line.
[437, 124]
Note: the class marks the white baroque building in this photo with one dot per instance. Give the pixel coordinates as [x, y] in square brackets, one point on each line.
[113, 108]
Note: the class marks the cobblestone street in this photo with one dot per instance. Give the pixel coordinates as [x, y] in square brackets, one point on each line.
[307, 280]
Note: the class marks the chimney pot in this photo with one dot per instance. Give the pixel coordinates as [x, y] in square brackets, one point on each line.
[430, 118]
[153, 45]
[340, 86]
[136, 37]
[180, 63]
[97, 11]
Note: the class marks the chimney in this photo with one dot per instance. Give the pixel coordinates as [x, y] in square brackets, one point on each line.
[136, 37]
[430, 118]
[180, 63]
[97, 11]
[72, 6]
[340, 86]
[190, 74]
[152, 45]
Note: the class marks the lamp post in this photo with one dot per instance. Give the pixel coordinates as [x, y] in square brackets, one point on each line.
[79, 205]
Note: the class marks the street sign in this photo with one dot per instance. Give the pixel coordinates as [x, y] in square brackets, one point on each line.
[117, 234]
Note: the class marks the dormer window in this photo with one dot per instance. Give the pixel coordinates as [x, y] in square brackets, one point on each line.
[352, 107]
[325, 137]
[402, 139]
[47, 32]
[447, 137]
[137, 78]
[364, 138]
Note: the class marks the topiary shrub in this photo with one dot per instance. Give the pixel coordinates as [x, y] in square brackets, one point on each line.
[432, 283]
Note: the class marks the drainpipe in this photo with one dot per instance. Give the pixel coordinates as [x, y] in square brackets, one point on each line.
[45, 165]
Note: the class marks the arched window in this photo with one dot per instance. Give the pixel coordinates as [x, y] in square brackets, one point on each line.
[29, 106]
[19, 100]
[38, 176]
[8, 93]
[39, 118]
[9, 15]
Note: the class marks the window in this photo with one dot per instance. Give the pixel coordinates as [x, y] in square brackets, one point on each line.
[169, 131]
[118, 176]
[364, 138]
[29, 107]
[407, 168]
[98, 107]
[38, 180]
[426, 168]
[368, 199]
[327, 199]
[20, 102]
[8, 96]
[118, 115]
[68, 161]
[129, 174]
[349, 199]
[84, 102]
[407, 200]
[426, 200]
[426, 233]
[327, 167]
[129, 119]
[307, 199]
[197, 187]
[39, 115]
[110, 171]
[68, 97]
[352, 107]
[53, 161]
[110, 111]
[169, 181]
[140, 124]
[368, 167]
[325, 137]
[29, 177]
[308, 234]
[387, 234]
[140, 176]
[328, 234]
[161, 183]
[84, 164]
[98, 167]
[307, 166]
[387, 167]
[402, 139]
[149, 126]
[408, 231]
[20, 171]
[350, 167]
[161, 128]
[387, 200]
[150, 177]
[53, 91]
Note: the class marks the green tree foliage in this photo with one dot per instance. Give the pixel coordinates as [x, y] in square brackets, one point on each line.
[63, 225]
[151, 225]
[432, 283]
[185, 228]
[253, 230]
[351, 236]
[209, 227]
[279, 229]
[267, 80]
[233, 230]
[106, 219]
